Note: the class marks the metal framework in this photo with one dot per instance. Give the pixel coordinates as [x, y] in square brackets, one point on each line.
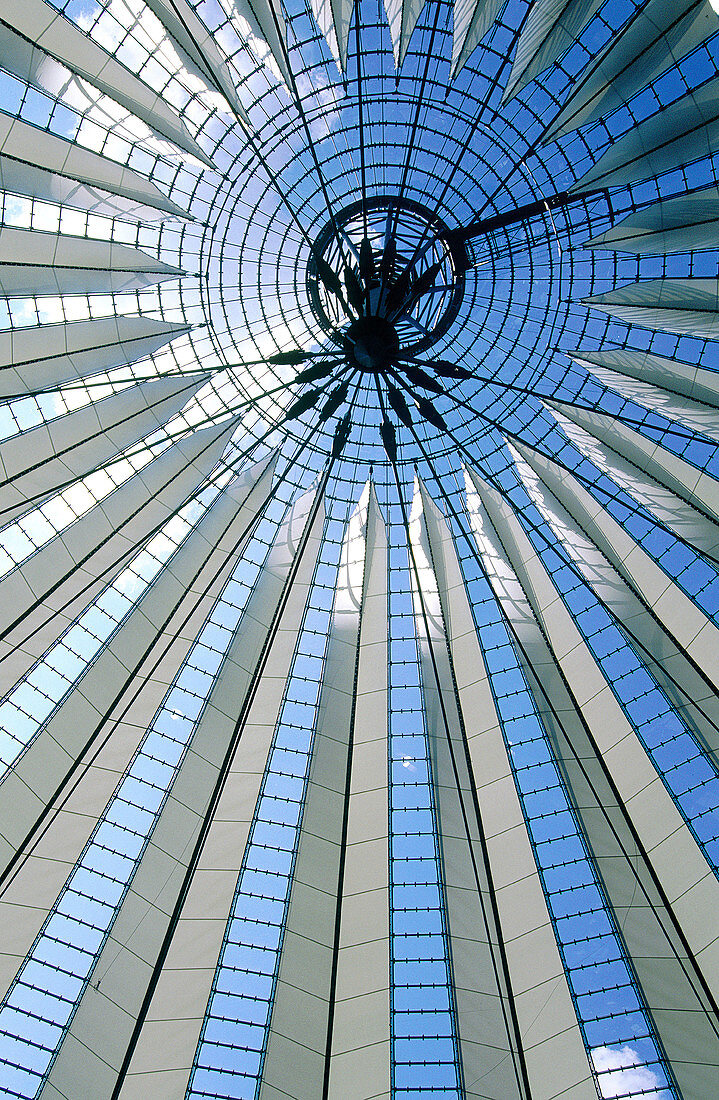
[359, 549]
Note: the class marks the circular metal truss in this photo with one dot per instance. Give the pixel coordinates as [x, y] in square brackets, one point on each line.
[429, 299]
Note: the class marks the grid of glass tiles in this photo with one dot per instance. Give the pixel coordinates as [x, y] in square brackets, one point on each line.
[424, 1032]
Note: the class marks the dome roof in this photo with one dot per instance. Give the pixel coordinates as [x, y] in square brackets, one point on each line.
[359, 538]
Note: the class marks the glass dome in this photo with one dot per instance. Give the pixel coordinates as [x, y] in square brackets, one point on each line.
[359, 541]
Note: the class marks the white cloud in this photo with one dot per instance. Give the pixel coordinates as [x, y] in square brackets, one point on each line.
[329, 97]
[622, 1073]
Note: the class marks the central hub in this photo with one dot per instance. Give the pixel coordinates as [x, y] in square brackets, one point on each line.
[385, 276]
[372, 343]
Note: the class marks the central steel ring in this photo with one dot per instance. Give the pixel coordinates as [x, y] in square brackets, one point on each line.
[400, 233]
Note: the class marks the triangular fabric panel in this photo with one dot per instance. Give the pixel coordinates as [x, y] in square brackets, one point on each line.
[472, 20]
[671, 405]
[334, 18]
[402, 16]
[686, 379]
[198, 45]
[42, 357]
[518, 1030]
[363, 952]
[94, 1049]
[50, 263]
[53, 586]
[571, 512]
[336, 938]
[685, 131]
[552, 26]
[44, 459]
[684, 306]
[35, 21]
[266, 22]
[672, 511]
[694, 633]
[650, 43]
[680, 224]
[39, 164]
[322, 11]
[691, 484]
